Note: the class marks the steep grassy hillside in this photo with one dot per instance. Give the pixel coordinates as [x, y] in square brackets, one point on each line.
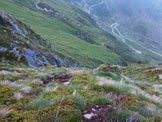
[54, 38]
[104, 94]
[73, 32]
[20, 44]
[139, 20]
[68, 37]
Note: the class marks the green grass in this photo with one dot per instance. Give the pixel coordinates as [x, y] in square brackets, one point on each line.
[120, 116]
[123, 89]
[39, 103]
[134, 72]
[101, 100]
[63, 34]
[80, 101]
[60, 34]
[146, 52]
[68, 102]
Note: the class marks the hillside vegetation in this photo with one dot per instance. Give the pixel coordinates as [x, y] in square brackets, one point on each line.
[57, 64]
[73, 33]
[138, 20]
[104, 94]
[63, 34]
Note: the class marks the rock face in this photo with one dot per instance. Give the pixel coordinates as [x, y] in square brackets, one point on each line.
[20, 43]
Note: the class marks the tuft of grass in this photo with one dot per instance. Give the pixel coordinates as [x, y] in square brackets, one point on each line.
[119, 116]
[122, 89]
[84, 79]
[80, 101]
[39, 103]
[102, 100]
[113, 75]
[144, 111]
[143, 98]
[75, 86]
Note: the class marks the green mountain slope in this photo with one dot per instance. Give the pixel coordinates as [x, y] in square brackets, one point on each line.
[61, 33]
[137, 20]
[73, 33]
[48, 51]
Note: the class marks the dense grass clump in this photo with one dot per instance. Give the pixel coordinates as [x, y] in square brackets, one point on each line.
[39, 103]
[120, 116]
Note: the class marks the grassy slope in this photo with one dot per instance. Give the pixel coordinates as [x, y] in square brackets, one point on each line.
[126, 53]
[60, 34]
[63, 37]
[29, 99]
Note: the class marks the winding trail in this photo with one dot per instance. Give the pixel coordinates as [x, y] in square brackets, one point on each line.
[114, 28]
[88, 8]
[117, 33]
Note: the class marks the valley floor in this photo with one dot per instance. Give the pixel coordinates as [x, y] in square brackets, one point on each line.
[105, 94]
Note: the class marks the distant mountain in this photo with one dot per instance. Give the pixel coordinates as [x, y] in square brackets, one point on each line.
[138, 20]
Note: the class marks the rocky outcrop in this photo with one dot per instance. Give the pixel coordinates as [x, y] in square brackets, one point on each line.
[19, 42]
[46, 8]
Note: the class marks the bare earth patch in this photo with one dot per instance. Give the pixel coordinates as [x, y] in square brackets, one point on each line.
[61, 79]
